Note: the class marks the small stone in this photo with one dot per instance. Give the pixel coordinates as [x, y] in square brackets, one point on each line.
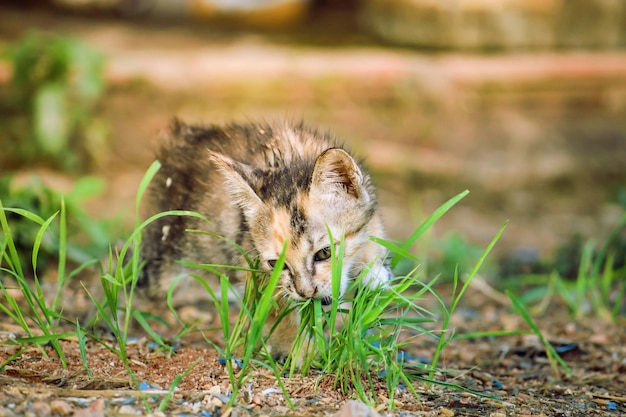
[257, 400]
[41, 408]
[60, 407]
[216, 402]
[165, 232]
[97, 405]
[95, 409]
[354, 408]
[570, 328]
[446, 412]
[128, 409]
[6, 412]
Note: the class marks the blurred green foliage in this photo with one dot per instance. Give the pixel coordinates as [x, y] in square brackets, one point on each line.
[453, 252]
[88, 238]
[589, 277]
[47, 112]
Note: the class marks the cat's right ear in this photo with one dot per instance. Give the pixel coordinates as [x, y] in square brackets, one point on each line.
[238, 177]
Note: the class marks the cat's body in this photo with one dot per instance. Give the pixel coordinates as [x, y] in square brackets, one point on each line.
[261, 186]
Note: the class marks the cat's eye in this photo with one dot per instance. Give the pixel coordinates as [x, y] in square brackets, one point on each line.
[272, 263]
[322, 254]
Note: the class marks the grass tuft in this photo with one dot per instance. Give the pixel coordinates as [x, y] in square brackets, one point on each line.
[593, 284]
[360, 339]
[37, 319]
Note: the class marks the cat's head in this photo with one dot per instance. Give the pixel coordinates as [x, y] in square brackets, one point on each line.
[298, 204]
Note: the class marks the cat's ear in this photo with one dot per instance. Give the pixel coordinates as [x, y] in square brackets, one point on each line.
[238, 177]
[336, 172]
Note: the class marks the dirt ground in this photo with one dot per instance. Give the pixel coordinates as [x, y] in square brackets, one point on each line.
[546, 151]
[512, 372]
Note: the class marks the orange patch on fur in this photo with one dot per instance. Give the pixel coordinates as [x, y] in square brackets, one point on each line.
[281, 229]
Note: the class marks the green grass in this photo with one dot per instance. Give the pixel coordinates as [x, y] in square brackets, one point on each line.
[358, 341]
[556, 362]
[598, 287]
[364, 342]
[37, 315]
[245, 346]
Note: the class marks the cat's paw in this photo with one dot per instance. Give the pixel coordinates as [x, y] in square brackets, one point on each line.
[377, 276]
[280, 357]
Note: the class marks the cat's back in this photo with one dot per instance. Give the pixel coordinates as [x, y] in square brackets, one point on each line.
[262, 145]
[189, 180]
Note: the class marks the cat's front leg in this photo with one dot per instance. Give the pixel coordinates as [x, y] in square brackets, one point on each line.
[283, 334]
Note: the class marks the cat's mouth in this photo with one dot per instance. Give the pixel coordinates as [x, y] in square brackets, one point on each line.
[326, 301]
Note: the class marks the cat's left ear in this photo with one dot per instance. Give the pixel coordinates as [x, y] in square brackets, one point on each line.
[337, 172]
[237, 180]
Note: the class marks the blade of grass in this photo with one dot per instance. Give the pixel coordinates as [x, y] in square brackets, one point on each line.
[170, 393]
[82, 338]
[446, 335]
[427, 224]
[154, 335]
[477, 266]
[13, 357]
[12, 255]
[62, 258]
[554, 358]
[337, 254]
[263, 307]
[26, 214]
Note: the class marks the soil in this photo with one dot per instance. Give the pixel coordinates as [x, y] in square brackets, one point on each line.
[547, 152]
[504, 376]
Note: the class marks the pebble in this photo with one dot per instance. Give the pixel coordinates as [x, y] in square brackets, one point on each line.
[41, 408]
[446, 412]
[95, 409]
[5, 412]
[271, 390]
[60, 407]
[128, 409]
[257, 400]
[97, 405]
[354, 408]
[216, 402]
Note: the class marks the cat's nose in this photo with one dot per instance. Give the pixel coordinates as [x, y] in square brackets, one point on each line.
[305, 289]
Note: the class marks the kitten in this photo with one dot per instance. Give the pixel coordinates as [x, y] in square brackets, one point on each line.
[262, 185]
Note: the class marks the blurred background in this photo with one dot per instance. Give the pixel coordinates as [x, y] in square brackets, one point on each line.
[523, 102]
